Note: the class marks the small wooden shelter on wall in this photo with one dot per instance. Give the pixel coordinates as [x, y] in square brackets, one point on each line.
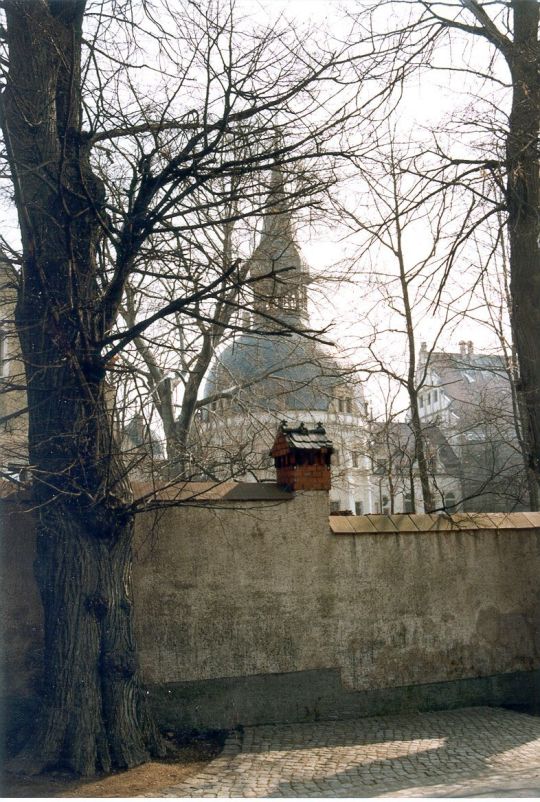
[302, 457]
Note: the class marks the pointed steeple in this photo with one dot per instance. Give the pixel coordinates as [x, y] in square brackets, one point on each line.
[281, 291]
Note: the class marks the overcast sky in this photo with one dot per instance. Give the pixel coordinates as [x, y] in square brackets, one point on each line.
[431, 99]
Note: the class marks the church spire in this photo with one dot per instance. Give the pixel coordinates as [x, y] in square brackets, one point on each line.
[281, 291]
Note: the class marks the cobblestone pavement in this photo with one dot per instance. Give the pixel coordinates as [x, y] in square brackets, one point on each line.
[469, 752]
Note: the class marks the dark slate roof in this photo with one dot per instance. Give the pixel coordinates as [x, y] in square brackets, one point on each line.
[258, 491]
[277, 248]
[399, 437]
[306, 439]
[203, 493]
[466, 378]
[277, 372]
[435, 437]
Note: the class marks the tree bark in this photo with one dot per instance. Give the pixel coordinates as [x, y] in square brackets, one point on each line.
[93, 714]
[523, 203]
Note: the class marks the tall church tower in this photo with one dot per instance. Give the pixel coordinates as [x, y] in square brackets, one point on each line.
[281, 291]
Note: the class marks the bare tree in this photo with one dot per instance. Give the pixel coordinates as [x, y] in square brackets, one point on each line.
[495, 46]
[112, 162]
[401, 209]
[391, 451]
[178, 353]
[495, 292]
[168, 367]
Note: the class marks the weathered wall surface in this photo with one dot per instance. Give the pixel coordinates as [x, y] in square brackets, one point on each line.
[251, 612]
[272, 590]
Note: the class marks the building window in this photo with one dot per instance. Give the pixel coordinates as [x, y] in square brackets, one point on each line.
[407, 503]
[358, 508]
[428, 400]
[335, 506]
[290, 301]
[348, 406]
[355, 459]
[450, 502]
[420, 402]
[385, 505]
[435, 395]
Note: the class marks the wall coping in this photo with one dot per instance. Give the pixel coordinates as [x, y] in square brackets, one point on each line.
[183, 492]
[431, 522]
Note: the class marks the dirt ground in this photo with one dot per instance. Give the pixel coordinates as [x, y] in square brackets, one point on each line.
[146, 780]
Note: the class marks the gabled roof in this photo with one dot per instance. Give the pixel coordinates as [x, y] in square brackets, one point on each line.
[438, 442]
[399, 437]
[471, 379]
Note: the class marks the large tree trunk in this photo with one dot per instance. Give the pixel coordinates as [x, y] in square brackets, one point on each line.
[93, 715]
[523, 200]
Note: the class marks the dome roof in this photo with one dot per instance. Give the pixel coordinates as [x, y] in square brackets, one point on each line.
[277, 373]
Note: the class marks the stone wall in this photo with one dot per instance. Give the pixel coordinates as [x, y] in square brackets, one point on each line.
[263, 611]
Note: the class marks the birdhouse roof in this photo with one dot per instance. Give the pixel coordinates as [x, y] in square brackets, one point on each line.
[300, 437]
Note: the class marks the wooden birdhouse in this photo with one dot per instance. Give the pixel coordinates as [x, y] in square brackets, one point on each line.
[302, 457]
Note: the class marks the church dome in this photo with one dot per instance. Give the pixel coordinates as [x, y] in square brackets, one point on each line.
[276, 373]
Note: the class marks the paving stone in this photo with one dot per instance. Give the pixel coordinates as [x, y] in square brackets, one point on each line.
[468, 752]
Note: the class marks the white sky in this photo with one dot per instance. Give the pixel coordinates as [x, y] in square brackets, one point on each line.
[430, 98]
